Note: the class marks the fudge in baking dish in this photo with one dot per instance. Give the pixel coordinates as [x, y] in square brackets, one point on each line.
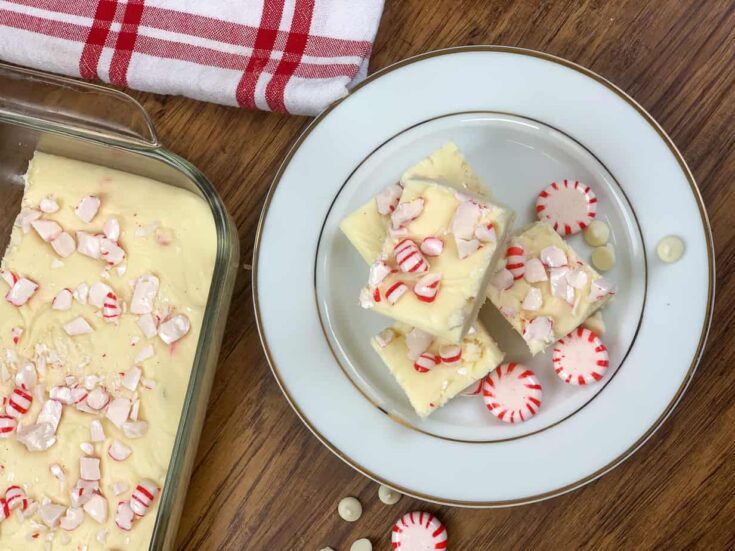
[105, 287]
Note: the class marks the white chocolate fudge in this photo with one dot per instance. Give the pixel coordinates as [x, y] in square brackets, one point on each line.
[436, 259]
[366, 228]
[435, 381]
[104, 347]
[544, 289]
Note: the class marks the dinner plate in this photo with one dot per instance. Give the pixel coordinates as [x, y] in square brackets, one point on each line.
[522, 119]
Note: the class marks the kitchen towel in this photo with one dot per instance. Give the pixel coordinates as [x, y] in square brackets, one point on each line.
[292, 56]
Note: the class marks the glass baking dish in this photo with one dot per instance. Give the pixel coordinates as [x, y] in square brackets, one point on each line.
[91, 123]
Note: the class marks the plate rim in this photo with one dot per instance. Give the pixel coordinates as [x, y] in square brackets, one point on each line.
[647, 117]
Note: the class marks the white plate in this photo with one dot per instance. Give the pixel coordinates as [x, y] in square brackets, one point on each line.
[522, 119]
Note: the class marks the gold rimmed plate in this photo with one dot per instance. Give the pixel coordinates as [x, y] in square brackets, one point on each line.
[518, 136]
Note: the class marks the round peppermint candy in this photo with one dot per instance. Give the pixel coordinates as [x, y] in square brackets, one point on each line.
[580, 358]
[569, 206]
[512, 393]
[418, 531]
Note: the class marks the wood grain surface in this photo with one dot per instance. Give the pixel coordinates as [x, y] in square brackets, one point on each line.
[263, 482]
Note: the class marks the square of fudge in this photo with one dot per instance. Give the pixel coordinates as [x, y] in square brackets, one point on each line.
[435, 381]
[367, 227]
[544, 289]
[436, 259]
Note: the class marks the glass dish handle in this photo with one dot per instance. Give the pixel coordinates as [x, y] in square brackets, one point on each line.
[72, 106]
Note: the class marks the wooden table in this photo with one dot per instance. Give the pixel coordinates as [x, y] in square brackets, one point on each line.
[263, 482]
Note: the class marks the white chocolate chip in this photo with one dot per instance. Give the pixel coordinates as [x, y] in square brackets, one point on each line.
[603, 258]
[350, 509]
[597, 233]
[670, 249]
[363, 544]
[388, 495]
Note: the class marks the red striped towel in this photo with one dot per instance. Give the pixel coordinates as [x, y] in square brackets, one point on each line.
[293, 56]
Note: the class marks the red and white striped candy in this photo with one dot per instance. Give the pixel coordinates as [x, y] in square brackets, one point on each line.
[124, 516]
[580, 358]
[64, 245]
[450, 353]
[465, 220]
[426, 362]
[72, 519]
[502, 280]
[474, 389]
[8, 277]
[409, 257]
[77, 326]
[25, 217]
[512, 393]
[465, 247]
[63, 300]
[21, 291]
[119, 451]
[432, 246]
[111, 229]
[535, 271]
[395, 292]
[97, 294]
[7, 425]
[87, 208]
[427, 287]
[16, 498]
[19, 402]
[553, 257]
[379, 270]
[486, 233]
[407, 212]
[387, 200]
[174, 328]
[143, 496]
[515, 260]
[4, 509]
[418, 342]
[111, 309]
[600, 288]
[568, 206]
[111, 252]
[538, 329]
[49, 205]
[144, 294]
[418, 531]
[88, 244]
[48, 230]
